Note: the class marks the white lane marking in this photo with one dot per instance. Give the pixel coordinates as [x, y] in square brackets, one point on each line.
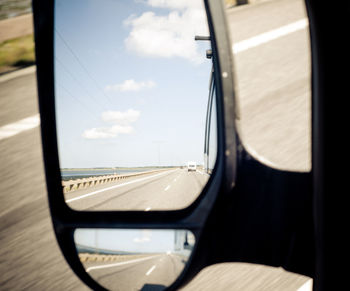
[17, 127]
[148, 209]
[269, 35]
[150, 270]
[307, 286]
[167, 188]
[114, 187]
[118, 264]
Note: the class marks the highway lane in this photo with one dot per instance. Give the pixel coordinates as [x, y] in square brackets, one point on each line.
[31, 259]
[151, 272]
[171, 189]
[273, 84]
[25, 103]
[30, 256]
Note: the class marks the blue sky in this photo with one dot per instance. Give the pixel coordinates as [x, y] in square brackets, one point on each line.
[131, 83]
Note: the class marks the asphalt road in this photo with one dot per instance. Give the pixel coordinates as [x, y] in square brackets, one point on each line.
[147, 273]
[273, 83]
[172, 189]
[273, 87]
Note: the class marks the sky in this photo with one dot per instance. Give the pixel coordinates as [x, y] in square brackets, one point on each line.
[130, 240]
[131, 84]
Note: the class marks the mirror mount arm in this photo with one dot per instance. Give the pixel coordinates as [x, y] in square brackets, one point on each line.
[200, 37]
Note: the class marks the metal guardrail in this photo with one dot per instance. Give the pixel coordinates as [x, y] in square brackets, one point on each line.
[73, 185]
[90, 257]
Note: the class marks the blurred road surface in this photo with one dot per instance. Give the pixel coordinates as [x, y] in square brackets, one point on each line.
[147, 273]
[273, 81]
[273, 86]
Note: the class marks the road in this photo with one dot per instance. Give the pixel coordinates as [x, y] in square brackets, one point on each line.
[275, 123]
[151, 272]
[171, 189]
[273, 82]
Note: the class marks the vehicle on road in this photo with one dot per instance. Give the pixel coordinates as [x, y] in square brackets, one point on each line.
[191, 166]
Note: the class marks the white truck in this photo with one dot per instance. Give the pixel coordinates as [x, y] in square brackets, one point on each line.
[191, 166]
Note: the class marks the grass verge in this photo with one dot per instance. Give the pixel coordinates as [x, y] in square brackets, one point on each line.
[17, 53]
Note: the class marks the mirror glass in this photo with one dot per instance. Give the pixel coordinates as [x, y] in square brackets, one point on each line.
[131, 93]
[134, 259]
[272, 56]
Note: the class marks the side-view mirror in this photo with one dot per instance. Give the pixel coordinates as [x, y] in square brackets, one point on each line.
[147, 175]
[136, 153]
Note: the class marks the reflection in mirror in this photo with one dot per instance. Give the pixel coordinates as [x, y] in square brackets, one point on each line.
[272, 55]
[134, 259]
[131, 89]
[210, 144]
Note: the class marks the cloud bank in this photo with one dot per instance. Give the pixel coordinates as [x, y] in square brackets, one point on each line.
[130, 85]
[170, 35]
[121, 124]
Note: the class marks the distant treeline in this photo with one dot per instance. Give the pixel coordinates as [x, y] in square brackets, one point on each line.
[12, 8]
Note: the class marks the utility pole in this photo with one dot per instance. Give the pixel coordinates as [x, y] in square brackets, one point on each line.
[158, 142]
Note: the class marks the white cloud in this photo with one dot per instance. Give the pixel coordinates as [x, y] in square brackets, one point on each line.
[130, 85]
[125, 129]
[120, 117]
[107, 132]
[145, 236]
[171, 35]
[175, 4]
[121, 124]
[96, 133]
